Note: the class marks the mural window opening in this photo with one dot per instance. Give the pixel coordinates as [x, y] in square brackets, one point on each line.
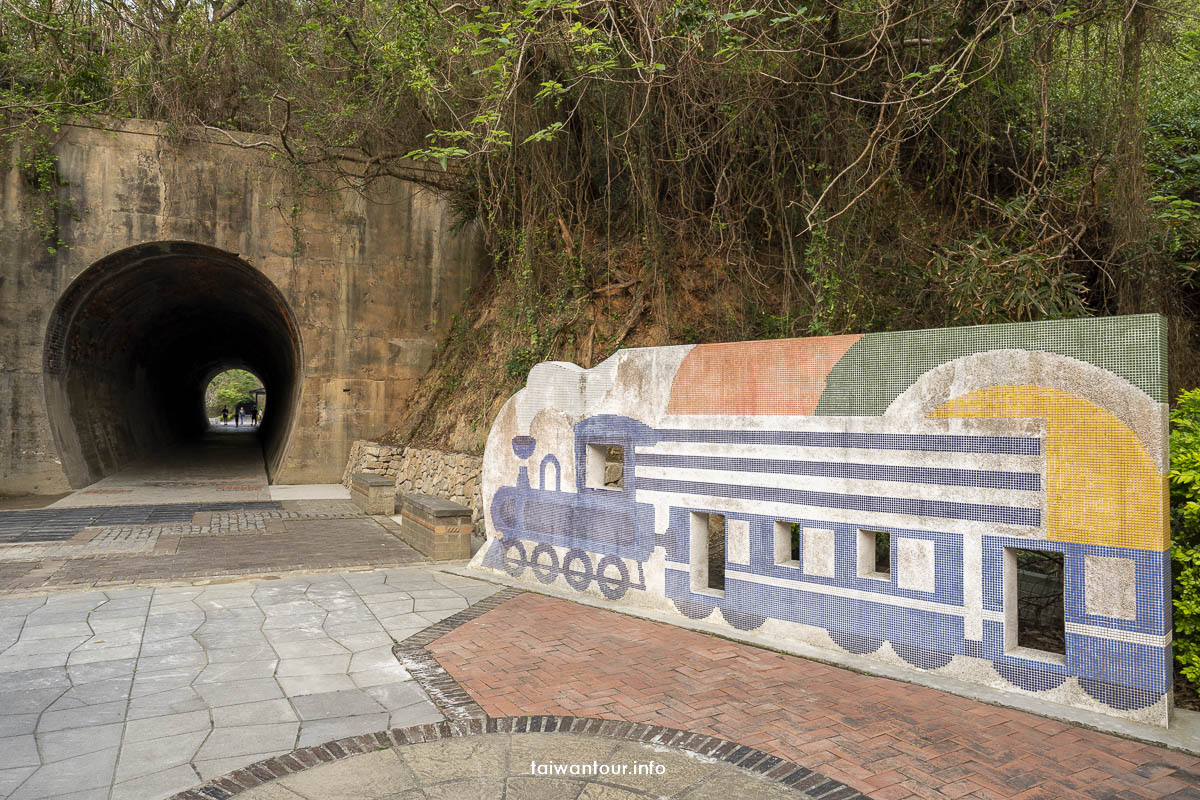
[606, 467]
[787, 543]
[875, 554]
[1041, 618]
[708, 552]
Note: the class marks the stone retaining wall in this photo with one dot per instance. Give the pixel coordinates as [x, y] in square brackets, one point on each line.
[454, 476]
[372, 458]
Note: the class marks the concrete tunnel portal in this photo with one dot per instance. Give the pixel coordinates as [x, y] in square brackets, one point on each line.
[135, 339]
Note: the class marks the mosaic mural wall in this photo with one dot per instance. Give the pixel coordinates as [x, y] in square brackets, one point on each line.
[875, 494]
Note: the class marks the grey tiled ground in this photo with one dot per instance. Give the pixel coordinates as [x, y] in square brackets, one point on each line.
[43, 537]
[135, 694]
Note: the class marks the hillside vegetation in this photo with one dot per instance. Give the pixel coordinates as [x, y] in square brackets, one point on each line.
[664, 171]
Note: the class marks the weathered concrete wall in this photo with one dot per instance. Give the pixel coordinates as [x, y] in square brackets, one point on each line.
[372, 282]
[29, 285]
[876, 496]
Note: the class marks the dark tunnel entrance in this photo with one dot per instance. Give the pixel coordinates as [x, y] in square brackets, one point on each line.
[135, 339]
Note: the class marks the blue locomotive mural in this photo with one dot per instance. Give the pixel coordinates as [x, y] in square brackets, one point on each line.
[609, 535]
[959, 483]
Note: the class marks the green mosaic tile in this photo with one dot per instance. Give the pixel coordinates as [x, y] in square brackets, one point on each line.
[881, 366]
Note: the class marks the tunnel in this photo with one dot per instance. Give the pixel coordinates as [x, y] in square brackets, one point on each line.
[135, 339]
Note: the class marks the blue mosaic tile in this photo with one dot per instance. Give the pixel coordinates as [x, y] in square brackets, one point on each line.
[934, 443]
[986, 474]
[1003, 515]
[991, 479]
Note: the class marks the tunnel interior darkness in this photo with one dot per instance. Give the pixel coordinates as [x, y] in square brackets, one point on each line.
[134, 341]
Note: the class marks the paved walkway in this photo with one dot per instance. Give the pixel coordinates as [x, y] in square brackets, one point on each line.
[890, 740]
[225, 465]
[139, 693]
[99, 547]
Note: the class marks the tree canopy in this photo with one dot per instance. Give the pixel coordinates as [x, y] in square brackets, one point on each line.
[228, 389]
[853, 165]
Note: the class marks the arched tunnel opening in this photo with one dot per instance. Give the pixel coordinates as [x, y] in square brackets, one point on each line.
[134, 341]
[234, 395]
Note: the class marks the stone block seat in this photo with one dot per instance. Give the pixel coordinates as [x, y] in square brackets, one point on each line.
[436, 527]
[374, 494]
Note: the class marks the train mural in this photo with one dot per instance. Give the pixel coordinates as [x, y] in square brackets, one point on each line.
[875, 494]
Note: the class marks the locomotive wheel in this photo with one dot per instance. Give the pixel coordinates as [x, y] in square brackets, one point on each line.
[694, 610]
[578, 575]
[514, 558]
[855, 643]
[1122, 698]
[920, 657]
[742, 620]
[1031, 679]
[614, 588]
[545, 563]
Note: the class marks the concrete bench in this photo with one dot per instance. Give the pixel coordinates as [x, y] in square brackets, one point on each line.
[435, 527]
[374, 494]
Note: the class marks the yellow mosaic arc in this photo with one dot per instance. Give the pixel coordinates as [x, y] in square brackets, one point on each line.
[1102, 487]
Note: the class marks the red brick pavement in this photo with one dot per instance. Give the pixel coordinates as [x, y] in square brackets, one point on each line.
[890, 740]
